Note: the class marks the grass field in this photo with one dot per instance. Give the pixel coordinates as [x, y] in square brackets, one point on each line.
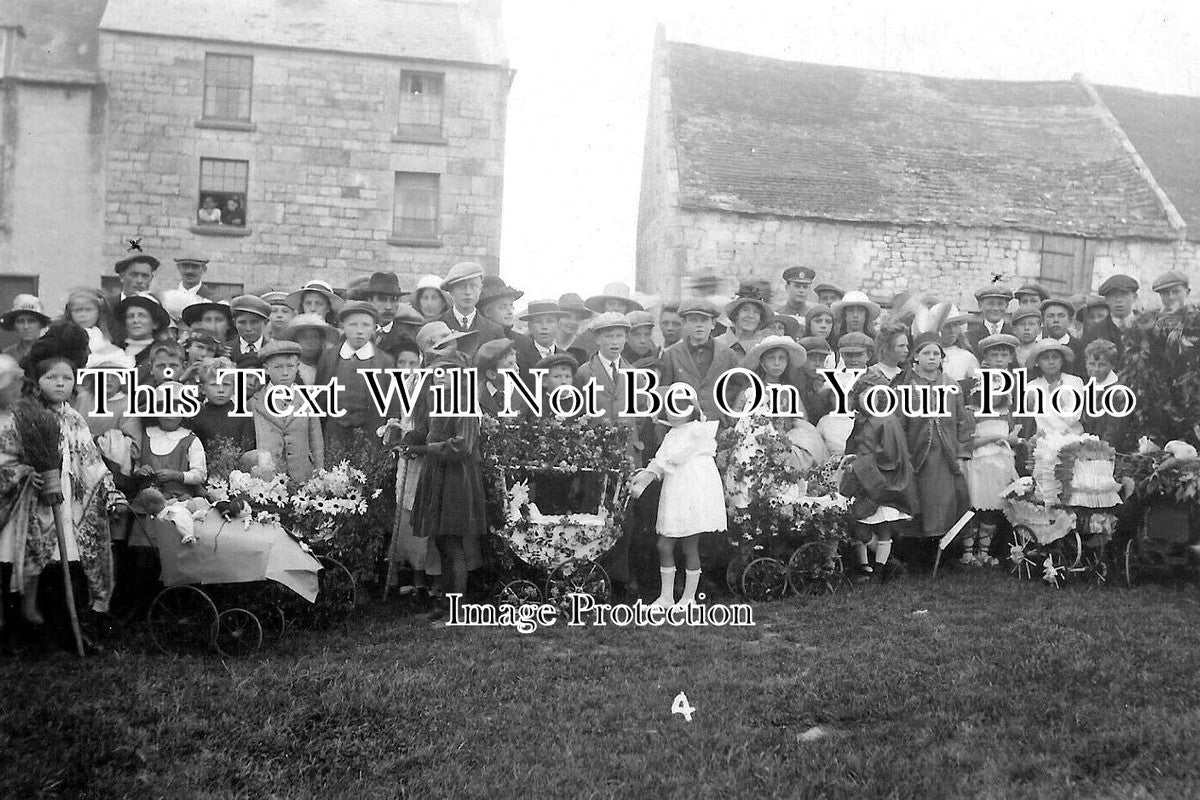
[974, 686]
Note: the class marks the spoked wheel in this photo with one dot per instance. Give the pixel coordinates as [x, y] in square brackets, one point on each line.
[239, 633]
[518, 593]
[733, 573]
[1134, 568]
[764, 579]
[182, 619]
[1022, 552]
[578, 576]
[1065, 555]
[336, 589]
[1094, 567]
[815, 568]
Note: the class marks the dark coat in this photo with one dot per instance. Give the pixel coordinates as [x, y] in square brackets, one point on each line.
[678, 365]
[485, 331]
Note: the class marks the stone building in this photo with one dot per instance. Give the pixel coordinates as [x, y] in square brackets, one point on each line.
[889, 181]
[293, 139]
[51, 148]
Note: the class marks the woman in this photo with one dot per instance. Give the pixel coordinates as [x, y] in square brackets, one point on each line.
[316, 297]
[215, 317]
[88, 309]
[960, 362]
[144, 321]
[1096, 316]
[747, 316]
[429, 299]
[783, 325]
[819, 322]
[938, 445]
[855, 312]
[892, 345]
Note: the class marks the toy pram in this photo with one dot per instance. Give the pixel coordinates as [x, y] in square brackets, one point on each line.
[239, 583]
[557, 554]
[1062, 516]
[1167, 537]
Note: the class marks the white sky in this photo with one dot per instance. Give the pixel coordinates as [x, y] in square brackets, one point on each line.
[577, 109]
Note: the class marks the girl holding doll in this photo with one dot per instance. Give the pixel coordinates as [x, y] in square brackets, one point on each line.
[692, 501]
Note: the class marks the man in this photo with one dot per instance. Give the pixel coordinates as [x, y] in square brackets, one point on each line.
[640, 342]
[191, 277]
[28, 321]
[1031, 295]
[993, 308]
[136, 273]
[1173, 289]
[250, 315]
[1121, 293]
[670, 324]
[697, 359]
[610, 330]
[464, 284]
[542, 318]
[1056, 319]
[571, 337]
[797, 280]
[383, 291]
[496, 303]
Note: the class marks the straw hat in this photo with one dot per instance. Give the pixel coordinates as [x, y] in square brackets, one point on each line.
[24, 304]
[765, 312]
[797, 356]
[613, 291]
[857, 298]
[302, 322]
[320, 287]
[1047, 346]
[431, 282]
[437, 334]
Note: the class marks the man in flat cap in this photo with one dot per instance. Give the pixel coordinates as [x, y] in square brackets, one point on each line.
[698, 359]
[1121, 293]
[464, 284]
[1173, 289]
[136, 273]
[191, 277]
[796, 281]
[250, 315]
[993, 309]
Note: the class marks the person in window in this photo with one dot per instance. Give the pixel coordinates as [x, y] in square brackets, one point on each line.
[209, 214]
[233, 214]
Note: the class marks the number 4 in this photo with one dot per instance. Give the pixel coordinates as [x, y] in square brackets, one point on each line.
[680, 706]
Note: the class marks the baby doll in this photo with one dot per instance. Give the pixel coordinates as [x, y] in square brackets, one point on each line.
[692, 501]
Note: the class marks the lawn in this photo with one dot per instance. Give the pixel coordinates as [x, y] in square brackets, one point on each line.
[973, 686]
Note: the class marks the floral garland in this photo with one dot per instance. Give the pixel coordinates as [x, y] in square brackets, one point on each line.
[326, 500]
[1162, 367]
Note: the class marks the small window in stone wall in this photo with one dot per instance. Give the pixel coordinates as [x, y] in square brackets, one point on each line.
[227, 86]
[222, 192]
[1066, 264]
[416, 206]
[420, 105]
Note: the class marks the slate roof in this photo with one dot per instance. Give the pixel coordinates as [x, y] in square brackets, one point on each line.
[765, 136]
[61, 41]
[1165, 129]
[466, 31]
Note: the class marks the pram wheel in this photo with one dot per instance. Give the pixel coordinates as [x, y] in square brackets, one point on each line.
[1135, 569]
[764, 579]
[182, 619]
[578, 576]
[733, 573]
[815, 569]
[1094, 566]
[518, 593]
[336, 589]
[239, 633]
[1022, 551]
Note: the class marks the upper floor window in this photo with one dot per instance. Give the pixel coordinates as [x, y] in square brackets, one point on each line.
[223, 189]
[227, 84]
[420, 105]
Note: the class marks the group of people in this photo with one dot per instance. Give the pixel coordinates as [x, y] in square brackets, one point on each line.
[909, 474]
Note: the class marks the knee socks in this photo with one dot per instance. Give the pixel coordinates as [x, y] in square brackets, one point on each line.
[666, 597]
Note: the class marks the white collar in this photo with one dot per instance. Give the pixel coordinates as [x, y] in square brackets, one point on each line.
[194, 290]
[465, 319]
[994, 327]
[387, 328]
[258, 345]
[545, 351]
[1108, 381]
[367, 351]
[155, 432]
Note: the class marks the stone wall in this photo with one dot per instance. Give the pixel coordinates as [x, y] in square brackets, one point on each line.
[885, 259]
[322, 162]
[658, 230]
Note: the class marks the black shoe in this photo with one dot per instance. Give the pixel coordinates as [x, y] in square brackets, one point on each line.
[863, 573]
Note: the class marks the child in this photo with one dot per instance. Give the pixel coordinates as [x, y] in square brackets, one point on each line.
[316, 297]
[449, 503]
[173, 455]
[202, 345]
[214, 420]
[993, 464]
[692, 501]
[1100, 356]
[313, 334]
[282, 313]
[878, 477]
[1027, 327]
[165, 363]
[490, 359]
[117, 436]
[357, 352]
[250, 315]
[293, 441]
[87, 308]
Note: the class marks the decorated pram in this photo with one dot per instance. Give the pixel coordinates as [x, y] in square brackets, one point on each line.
[1166, 511]
[787, 521]
[1063, 515]
[557, 493]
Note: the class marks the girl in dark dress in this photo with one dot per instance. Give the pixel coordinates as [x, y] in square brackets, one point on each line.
[449, 504]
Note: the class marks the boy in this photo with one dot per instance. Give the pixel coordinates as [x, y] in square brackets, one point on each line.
[697, 359]
[670, 324]
[342, 364]
[1027, 327]
[542, 317]
[294, 441]
[640, 342]
[165, 363]
[436, 340]
[29, 322]
[993, 307]
[496, 303]
[1056, 319]
[464, 283]
[213, 420]
[490, 359]
[1121, 293]
[250, 315]
[1031, 295]
[570, 337]
[281, 314]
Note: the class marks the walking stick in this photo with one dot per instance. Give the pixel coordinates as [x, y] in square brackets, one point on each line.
[52, 494]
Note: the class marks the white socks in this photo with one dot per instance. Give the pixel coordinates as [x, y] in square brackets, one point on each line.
[690, 584]
[666, 597]
[882, 551]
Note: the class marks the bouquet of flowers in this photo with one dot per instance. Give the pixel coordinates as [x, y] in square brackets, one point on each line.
[326, 500]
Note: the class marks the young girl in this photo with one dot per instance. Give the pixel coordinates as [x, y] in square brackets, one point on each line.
[173, 455]
[1101, 356]
[692, 501]
[316, 297]
[993, 464]
[879, 479]
[88, 309]
[819, 322]
[29, 540]
[449, 504]
[937, 444]
[17, 490]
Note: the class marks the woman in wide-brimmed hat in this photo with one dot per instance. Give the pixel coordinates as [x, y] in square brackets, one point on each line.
[780, 361]
[28, 320]
[855, 312]
[316, 297]
[747, 315]
[429, 299]
[315, 336]
[616, 297]
[214, 316]
[144, 321]
[1050, 357]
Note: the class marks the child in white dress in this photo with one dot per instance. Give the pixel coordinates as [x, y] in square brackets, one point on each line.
[692, 500]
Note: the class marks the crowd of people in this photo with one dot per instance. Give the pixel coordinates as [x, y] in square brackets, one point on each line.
[909, 475]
